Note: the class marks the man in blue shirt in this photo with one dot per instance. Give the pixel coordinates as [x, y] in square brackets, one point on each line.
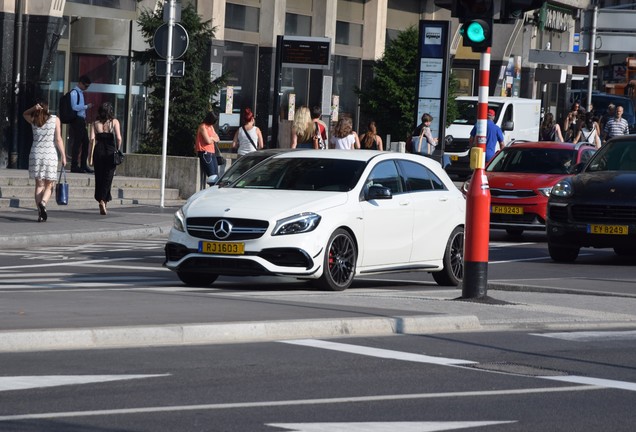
[494, 136]
[79, 134]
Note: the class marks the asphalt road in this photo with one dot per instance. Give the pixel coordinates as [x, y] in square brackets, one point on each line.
[491, 381]
[514, 263]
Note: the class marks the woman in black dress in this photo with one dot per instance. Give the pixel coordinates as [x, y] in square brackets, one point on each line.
[105, 141]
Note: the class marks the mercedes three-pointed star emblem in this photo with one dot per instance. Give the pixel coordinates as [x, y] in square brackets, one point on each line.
[222, 229]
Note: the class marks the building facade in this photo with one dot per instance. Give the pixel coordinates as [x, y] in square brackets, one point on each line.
[56, 41]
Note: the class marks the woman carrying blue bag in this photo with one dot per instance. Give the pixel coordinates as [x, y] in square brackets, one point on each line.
[43, 159]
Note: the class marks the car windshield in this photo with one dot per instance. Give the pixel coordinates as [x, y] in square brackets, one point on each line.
[304, 174]
[240, 167]
[467, 112]
[614, 156]
[533, 160]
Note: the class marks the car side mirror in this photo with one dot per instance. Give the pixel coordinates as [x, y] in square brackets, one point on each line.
[212, 179]
[508, 126]
[376, 192]
[577, 168]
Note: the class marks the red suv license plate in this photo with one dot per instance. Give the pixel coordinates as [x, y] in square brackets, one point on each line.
[511, 210]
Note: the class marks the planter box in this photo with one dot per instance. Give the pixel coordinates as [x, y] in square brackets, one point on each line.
[182, 172]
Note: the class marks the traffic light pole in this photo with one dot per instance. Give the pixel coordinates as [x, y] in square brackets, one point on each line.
[476, 233]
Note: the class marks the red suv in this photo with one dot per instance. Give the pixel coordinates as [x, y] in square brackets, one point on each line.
[521, 177]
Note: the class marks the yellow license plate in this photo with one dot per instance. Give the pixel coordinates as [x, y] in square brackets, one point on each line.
[454, 157]
[511, 210]
[608, 229]
[222, 248]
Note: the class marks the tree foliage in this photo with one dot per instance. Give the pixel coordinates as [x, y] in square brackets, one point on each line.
[191, 96]
[390, 99]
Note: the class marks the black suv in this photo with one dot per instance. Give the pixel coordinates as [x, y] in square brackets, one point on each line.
[597, 206]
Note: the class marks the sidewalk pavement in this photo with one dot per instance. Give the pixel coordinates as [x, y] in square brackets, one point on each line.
[86, 318]
[19, 226]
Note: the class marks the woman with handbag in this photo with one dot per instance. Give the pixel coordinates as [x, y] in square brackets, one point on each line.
[422, 141]
[205, 145]
[43, 158]
[248, 138]
[105, 141]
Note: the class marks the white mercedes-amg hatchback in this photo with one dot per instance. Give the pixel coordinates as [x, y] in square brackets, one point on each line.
[326, 216]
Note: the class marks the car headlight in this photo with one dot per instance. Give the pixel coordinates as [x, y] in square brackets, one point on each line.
[562, 189]
[300, 223]
[179, 220]
[545, 191]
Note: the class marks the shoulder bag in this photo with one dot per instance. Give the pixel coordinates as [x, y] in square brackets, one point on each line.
[61, 189]
[318, 142]
[249, 138]
[220, 160]
[419, 142]
[118, 156]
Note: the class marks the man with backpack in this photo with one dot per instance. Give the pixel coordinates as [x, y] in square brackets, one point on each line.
[79, 133]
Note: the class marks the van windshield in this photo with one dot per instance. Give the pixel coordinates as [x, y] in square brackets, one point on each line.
[467, 112]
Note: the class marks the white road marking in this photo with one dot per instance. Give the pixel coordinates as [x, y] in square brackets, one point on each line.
[268, 404]
[73, 263]
[377, 352]
[144, 268]
[24, 278]
[384, 426]
[40, 381]
[399, 355]
[599, 382]
[587, 336]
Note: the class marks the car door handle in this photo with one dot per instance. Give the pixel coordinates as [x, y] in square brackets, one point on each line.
[405, 203]
[444, 198]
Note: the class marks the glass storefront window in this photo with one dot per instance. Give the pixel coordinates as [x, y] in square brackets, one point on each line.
[297, 25]
[138, 106]
[346, 79]
[348, 33]
[240, 63]
[241, 17]
[129, 5]
[108, 75]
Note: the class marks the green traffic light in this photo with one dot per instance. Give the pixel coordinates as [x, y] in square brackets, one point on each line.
[475, 32]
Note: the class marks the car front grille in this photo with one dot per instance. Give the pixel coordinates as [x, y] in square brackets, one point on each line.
[457, 146]
[224, 266]
[242, 229]
[604, 214]
[526, 218]
[512, 193]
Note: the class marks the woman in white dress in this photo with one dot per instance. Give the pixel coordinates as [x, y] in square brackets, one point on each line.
[43, 158]
[344, 137]
[248, 138]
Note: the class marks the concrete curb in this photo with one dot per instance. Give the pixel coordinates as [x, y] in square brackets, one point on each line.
[222, 333]
[57, 238]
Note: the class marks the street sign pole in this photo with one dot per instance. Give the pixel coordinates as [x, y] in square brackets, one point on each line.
[166, 106]
[590, 80]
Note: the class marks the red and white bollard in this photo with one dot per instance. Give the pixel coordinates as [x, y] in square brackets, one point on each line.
[477, 231]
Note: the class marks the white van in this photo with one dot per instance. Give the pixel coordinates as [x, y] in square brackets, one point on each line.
[519, 119]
